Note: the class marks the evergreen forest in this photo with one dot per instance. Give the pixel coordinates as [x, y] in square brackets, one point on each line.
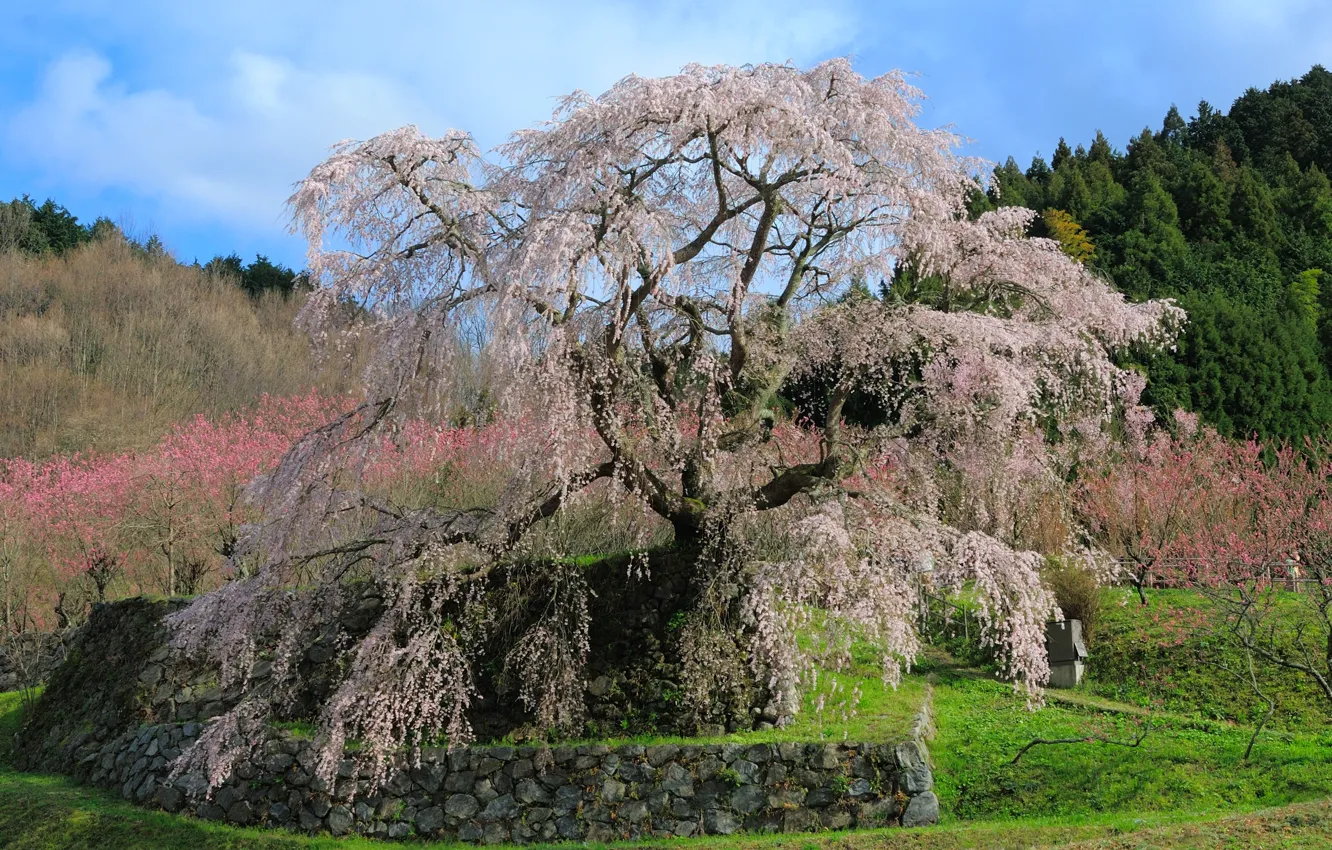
[1230, 213]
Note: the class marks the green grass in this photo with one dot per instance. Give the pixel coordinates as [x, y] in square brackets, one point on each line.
[1184, 764]
[1181, 788]
[1185, 786]
[298, 728]
[11, 717]
[883, 713]
[1155, 657]
[50, 813]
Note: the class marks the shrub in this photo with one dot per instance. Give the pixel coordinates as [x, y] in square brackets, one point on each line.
[1077, 591]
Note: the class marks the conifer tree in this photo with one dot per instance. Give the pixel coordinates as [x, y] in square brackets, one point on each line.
[1204, 203]
[1251, 209]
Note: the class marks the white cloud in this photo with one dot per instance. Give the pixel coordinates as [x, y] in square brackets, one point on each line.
[232, 160]
[252, 93]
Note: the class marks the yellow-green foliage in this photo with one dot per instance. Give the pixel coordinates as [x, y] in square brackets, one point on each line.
[102, 349]
[1305, 291]
[1076, 591]
[1072, 238]
[12, 707]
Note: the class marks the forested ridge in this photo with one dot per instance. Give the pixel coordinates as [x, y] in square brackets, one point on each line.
[107, 341]
[49, 229]
[1231, 214]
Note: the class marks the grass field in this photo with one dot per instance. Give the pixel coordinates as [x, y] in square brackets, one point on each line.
[1158, 656]
[1180, 788]
[1183, 764]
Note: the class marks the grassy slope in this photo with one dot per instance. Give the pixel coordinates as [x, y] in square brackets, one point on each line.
[1148, 656]
[1176, 789]
[1183, 764]
[1145, 663]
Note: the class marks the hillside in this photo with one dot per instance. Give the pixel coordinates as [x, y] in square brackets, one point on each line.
[1229, 212]
[104, 346]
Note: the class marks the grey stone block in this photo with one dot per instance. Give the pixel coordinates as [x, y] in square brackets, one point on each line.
[676, 780]
[749, 798]
[801, 820]
[567, 827]
[240, 813]
[720, 822]
[170, 799]
[528, 791]
[923, 810]
[500, 808]
[431, 820]
[612, 791]
[339, 820]
[461, 806]
[458, 782]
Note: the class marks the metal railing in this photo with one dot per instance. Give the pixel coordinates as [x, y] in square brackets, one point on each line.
[1161, 572]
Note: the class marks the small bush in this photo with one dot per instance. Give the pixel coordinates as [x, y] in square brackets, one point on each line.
[1076, 590]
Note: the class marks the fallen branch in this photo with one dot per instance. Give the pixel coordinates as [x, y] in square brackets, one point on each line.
[1085, 739]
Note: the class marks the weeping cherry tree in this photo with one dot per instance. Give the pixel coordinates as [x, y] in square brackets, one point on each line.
[651, 268]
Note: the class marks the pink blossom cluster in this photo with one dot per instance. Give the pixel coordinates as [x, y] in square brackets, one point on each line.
[158, 520]
[1195, 508]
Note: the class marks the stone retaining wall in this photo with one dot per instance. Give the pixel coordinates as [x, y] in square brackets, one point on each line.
[117, 713]
[520, 794]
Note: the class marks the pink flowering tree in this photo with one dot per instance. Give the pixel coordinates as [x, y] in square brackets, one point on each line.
[81, 529]
[650, 268]
[1264, 560]
[1148, 501]
[187, 509]
[76, 508]
[1193, 508]
[1244, 525]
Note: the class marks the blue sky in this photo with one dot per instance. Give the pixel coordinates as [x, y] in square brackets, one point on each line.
[192, 120]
